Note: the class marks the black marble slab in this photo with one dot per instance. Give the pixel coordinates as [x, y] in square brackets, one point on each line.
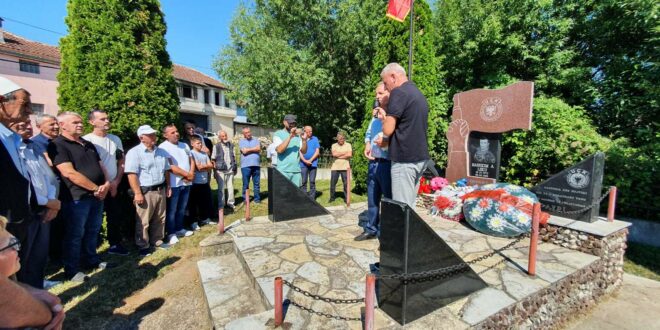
[485, 153]
[409, 245]
[573, 189]
[286, 201]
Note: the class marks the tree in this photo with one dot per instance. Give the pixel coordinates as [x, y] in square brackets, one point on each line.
[392, 46]
[114, 58]
[308, 58]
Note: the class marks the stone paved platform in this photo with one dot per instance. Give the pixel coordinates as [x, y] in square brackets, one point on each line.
[319, 255]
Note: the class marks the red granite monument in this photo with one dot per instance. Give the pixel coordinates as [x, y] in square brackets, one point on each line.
[479, 115]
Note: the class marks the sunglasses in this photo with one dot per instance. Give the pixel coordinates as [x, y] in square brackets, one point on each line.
[13, 243]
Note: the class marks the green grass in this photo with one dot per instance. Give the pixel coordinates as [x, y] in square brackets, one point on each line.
[642, 260]
[92, 304]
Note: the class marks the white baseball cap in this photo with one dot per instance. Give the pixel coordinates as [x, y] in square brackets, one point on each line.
[145, 129]
[7, 86]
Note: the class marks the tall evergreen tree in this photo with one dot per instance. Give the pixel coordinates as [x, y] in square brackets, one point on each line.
[114, 58]
[427, 74]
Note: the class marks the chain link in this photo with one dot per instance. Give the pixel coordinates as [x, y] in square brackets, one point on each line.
[449, 270]
[587, 208]
[321, 298]
[330, 316]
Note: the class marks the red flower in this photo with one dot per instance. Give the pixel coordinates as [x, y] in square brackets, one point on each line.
[442, 202]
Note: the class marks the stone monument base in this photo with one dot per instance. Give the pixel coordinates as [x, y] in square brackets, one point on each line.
[577, 264]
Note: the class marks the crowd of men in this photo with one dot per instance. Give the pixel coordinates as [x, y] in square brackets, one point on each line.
[58, 184]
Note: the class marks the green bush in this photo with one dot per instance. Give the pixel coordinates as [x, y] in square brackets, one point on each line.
[635, 173]
[561, 136]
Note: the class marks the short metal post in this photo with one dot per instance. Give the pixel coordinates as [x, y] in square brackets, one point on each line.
[348, 187]
[221, 221]
[533, 242]
[247, 204]
[611, 206]
[278, 302]
[369, 302]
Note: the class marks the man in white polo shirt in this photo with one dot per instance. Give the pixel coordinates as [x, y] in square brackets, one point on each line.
[182, 168]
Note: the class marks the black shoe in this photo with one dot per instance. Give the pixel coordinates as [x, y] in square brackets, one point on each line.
[331, 200]
[364, 236]
[145, 252]
[118, 250]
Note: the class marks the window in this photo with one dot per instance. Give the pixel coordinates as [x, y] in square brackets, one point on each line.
[37, 109]
[226, 102]
[31, 67]
[217, 98]
[189, 92]
[206, 96]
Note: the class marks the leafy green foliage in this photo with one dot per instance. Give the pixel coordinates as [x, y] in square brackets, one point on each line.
[114, 58]
[308, 58]
[635, 173]
[427, 75]
[561, 136]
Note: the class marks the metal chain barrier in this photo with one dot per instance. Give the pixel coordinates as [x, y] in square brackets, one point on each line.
[587, 208]
[450, 270]
[330, 316]
[321, 298]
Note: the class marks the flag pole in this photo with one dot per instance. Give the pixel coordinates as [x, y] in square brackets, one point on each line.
[410, 40]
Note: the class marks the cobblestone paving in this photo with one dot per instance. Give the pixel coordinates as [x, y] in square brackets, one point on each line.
[319, 255]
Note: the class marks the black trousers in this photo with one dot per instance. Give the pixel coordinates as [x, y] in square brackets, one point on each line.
[334, 176]
[34, 236]
[114, 217]
[200, 202]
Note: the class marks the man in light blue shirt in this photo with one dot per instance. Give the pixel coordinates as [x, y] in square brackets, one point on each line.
[379, 181]
[147, 167]
[250, 163]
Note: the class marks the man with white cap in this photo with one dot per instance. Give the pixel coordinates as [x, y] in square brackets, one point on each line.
[20, 305]
[15, 187]
[148, 168]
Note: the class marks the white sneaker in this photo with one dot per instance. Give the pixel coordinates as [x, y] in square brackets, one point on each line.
[172, 240]
[205, 222]
[49, 284]
[184, 233]
[195, 226]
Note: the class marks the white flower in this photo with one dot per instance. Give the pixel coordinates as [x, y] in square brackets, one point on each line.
[476, 213]
[522, 218]
[496, 222]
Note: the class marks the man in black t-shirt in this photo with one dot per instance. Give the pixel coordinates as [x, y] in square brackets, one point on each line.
[84, 186]
[404, 130]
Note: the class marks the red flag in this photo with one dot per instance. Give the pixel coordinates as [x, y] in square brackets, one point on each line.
[398, 9]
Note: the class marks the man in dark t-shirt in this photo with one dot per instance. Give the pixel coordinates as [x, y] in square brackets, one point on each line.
[84, 186]
[404, 130]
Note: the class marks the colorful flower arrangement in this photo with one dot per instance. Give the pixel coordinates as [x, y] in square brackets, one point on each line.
[447, 202]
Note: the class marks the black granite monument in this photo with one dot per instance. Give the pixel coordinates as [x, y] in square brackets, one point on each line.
[573, 189]
[485, 150]
[287, 202]
[409, 245]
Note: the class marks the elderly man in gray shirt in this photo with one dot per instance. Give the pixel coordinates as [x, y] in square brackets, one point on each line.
[147, 168]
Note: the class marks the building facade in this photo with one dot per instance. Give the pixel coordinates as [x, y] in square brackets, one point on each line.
[34, 66]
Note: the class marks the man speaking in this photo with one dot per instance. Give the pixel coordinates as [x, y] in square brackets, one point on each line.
[404, 130]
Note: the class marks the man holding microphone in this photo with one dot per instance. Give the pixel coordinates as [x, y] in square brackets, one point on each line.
[289, 143]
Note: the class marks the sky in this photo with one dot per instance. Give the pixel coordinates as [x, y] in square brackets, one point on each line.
[196, 29]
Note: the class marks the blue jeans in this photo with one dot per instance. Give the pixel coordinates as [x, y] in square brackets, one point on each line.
[253, 172]
[379, 184]
[176, 209]
[83, 223]
[308, 174]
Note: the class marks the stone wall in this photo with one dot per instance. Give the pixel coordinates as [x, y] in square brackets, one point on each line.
[574, 294]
